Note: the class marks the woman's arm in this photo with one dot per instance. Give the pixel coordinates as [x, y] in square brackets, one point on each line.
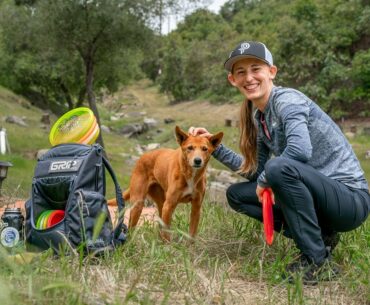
[294, 111]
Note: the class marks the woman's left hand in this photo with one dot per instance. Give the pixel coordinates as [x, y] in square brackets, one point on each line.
[259, 192]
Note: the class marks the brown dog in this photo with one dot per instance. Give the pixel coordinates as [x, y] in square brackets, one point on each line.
[170, 177]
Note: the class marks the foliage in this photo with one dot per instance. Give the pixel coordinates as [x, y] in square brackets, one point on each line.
[48, 46]
[190, 53]
[320, 47]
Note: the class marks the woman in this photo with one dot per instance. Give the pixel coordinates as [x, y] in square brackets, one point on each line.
[316, 180]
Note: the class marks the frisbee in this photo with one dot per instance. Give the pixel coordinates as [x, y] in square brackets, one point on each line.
[41, 220]
[268, 218]
[72, 126]
[45, 219]
[92, 134]
[55, 217]
[38, 222]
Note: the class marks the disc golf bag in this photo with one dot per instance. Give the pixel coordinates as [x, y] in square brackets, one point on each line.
[71, 177]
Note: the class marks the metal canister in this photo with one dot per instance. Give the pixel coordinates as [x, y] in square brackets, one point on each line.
[11, 227]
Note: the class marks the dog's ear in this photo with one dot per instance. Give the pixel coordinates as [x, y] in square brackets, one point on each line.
[181, 135]
[216, 139]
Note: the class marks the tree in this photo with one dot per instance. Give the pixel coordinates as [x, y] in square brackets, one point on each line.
[192, 57]
[95, 30]
[72, 40]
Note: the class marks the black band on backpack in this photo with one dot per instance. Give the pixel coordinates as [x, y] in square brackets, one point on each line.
[119, 198]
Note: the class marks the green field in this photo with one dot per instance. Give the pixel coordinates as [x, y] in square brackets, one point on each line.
[228, 263]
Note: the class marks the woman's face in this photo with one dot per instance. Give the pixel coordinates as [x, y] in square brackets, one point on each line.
[253, 78]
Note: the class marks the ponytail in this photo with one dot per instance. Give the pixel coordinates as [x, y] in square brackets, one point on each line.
[248, 139]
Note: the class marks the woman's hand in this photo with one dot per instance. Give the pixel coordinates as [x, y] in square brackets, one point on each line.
[259, 192]
[199, 131]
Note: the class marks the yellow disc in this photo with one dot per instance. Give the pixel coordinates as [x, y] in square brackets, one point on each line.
[72, 126]
[91, 138]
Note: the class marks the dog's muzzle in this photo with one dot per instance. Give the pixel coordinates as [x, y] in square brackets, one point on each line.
[197, 162]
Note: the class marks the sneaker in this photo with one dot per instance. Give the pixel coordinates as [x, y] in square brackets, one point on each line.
[310, 272]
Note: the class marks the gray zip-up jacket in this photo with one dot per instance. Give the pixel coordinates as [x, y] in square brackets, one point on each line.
[300, 130]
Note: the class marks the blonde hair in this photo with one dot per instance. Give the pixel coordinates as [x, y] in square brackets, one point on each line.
[248, 138]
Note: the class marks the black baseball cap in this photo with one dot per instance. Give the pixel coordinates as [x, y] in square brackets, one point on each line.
[249, 49]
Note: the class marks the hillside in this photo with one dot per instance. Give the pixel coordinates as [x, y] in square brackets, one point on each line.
[228, 263]
[131, 105]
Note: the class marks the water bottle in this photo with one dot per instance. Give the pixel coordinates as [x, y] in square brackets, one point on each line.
[11, 228]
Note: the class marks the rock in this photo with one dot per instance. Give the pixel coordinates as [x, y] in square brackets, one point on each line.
[45, 118]
[150, 122]
[114, 118]
[367, 154]
[16, 120]
[228, 122]
[217, 192]
[353, 129]
[152, 146]
[105, 129]
[139, 149]
[225, 177]
[168, 120]
[41, 152]
[366, 131]
[350, 135]
[131, 160]
[134, 114]
[117, 116]
[132, 130]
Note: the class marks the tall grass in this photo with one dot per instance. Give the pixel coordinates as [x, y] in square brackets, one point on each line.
[228, 263]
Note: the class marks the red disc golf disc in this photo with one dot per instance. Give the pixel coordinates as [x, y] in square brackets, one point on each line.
[268, 217]
[55, 218]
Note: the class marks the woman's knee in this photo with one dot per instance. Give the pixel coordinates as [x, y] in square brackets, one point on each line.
[241, 195]
[275, 169]
[232, 197]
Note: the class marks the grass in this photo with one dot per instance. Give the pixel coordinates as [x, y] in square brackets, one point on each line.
[228, 263]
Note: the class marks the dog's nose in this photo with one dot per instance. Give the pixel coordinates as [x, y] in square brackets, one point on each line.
[197, 161]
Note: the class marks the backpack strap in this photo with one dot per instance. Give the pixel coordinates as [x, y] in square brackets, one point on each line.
[119, 198]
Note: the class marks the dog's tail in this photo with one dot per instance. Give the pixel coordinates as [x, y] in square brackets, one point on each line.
[125, 196]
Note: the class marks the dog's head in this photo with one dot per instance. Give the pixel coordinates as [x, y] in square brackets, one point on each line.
[197, 150]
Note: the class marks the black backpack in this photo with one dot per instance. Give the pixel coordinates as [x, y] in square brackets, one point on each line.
[71, 177]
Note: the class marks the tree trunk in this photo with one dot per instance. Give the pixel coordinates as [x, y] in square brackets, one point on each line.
[67, 95]
[81, 97]
[89, 63]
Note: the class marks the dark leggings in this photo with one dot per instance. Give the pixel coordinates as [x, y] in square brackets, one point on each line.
[309, 205]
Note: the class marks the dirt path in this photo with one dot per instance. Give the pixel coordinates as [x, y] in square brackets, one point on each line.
[189, 113]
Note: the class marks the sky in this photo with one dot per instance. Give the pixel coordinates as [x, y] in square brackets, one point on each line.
[214, 6]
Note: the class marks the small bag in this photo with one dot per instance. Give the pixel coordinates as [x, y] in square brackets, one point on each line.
[71, 178]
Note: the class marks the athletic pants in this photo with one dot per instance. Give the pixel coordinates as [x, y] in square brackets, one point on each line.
[308, 205]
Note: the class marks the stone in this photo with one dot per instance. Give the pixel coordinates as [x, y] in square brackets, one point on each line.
[105, 129]
[12, 119]
[45, 118]
[150, 122]
[216, 192]
[168, 120]
[152, 146]
[41, 152]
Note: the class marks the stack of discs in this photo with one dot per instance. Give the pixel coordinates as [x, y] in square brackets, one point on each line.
[76, 126]
[49, 218]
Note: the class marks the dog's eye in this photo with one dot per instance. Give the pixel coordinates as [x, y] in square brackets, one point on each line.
[204, 148]
[190, 148]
